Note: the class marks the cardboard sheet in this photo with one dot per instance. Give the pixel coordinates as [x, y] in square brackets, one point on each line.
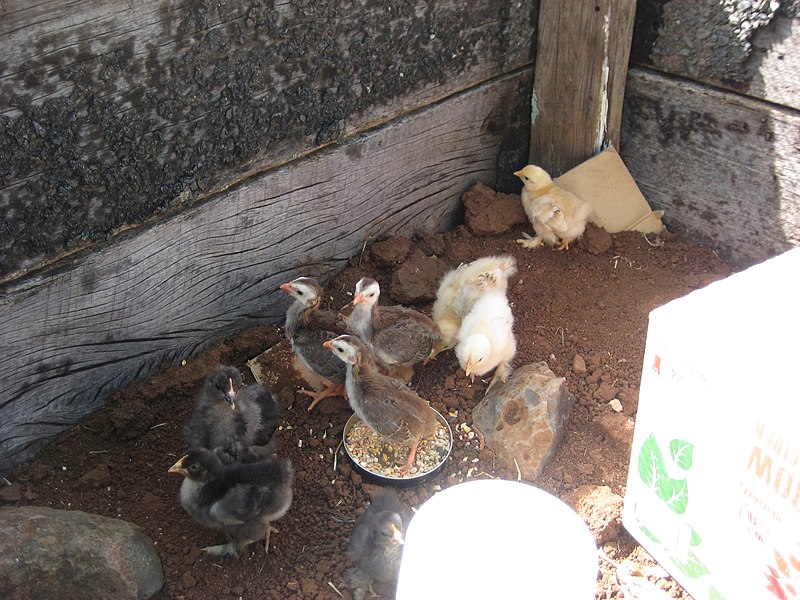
[605, 182]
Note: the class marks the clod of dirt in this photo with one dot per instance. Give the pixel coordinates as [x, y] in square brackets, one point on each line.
[489, 213]
[11, 493]
[417, 279]
[131, 421]
[596, 239]
[391, 252]
[98, 477]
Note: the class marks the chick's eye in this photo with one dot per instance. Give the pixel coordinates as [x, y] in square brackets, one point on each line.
[194, 467]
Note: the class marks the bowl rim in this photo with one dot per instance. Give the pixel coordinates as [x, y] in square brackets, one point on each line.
[351, 421]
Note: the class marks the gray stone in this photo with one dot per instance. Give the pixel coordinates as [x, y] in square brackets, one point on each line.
[49, 553]
[523, 419]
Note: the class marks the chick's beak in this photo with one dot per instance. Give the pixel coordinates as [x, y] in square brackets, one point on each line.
[286, 287]
[358, 299]
[230, 395]
[518, 173]
[180, 466]
[468, 369]
[397, 535]
[327, 344]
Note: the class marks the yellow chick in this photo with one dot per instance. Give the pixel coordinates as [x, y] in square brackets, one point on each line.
[555, 213]
[486, 339]
[460, 288]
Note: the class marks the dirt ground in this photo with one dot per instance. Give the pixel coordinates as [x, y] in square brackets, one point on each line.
[571, 308]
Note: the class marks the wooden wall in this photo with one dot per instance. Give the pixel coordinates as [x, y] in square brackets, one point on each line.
[711, 121]
[165, 165]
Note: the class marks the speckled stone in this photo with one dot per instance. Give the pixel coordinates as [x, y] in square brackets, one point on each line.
[523, 419]
[49, 553]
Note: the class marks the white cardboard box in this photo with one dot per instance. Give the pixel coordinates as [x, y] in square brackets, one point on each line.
[714, 481]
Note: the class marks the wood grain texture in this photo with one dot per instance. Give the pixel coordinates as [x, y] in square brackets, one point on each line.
[723, 166]
[581, 64]
[116, 114]
[71, 338]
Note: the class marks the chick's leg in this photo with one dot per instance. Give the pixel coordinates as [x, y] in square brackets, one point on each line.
[529, 242]
[268, 529]
[501, 374]
[412, 454]
[564, 245]
[336, 389]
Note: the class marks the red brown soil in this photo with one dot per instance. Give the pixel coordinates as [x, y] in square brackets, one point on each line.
[566, 304]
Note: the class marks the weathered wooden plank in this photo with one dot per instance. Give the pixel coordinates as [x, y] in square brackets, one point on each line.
[581, 63]
[70, 338]
[114, 114]
[722, 165]
[752, 47]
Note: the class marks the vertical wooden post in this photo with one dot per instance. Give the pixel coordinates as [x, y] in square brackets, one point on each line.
[581, 65]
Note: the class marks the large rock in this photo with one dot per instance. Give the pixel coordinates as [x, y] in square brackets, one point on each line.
[487, 212]
[523, 419]
[49, 553]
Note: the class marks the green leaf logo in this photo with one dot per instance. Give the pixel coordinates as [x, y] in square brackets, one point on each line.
[695, 539]
[681, 453]
[651, 464]
[675, 492]
[649, 533]
[693, 567]
[653, 471]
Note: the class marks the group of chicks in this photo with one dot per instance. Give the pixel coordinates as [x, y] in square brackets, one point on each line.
[368, 355]
[233, 479]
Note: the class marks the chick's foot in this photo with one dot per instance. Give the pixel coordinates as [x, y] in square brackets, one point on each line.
[359, 582]
[501, 374]
[228, 551]
[529, 242]
[332, 390]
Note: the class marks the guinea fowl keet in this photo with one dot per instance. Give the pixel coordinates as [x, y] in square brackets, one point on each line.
[307, 327]
[399, 337]
[385, 405]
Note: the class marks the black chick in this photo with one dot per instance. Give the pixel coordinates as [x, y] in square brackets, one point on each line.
[240, 499]
[236, 422]
[376, 544]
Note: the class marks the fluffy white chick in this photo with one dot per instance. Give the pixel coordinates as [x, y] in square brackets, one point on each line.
[554, 213]
[460, 288]
[486, 340]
